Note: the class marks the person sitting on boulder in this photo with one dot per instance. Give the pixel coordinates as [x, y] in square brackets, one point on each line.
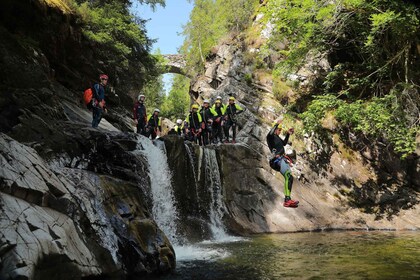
[195, 124]
[98, 100]
[280, 162]
[153, 125]
[140, 115]
[232, 110]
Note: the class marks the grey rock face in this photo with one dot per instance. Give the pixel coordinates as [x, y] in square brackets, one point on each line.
[75, 220]
[336, 190]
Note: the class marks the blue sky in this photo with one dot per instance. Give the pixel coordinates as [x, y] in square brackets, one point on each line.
[165, 24]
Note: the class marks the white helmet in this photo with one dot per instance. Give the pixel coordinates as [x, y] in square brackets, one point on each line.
[156, 110]
[206, 101]
[218, 97]
[179, 121]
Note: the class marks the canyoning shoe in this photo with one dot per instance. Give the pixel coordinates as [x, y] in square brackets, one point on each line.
[295, 201]
[290, 203]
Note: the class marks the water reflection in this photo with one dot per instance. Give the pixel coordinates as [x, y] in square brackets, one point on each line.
[322, 255]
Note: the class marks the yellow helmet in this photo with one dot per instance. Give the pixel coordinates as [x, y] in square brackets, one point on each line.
[280, 126]
[232, 98]
[194, 106]
[217, 101]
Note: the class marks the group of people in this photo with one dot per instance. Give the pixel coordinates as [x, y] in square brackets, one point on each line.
[210, 124]
[205, 125]
[147, 125]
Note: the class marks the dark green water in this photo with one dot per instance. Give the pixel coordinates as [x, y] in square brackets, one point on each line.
[321, 255]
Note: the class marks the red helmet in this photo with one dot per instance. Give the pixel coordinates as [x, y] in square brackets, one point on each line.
[103, 76]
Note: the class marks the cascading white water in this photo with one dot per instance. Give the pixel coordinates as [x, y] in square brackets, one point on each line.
[214, 184]
[190, 156]
[164, 210]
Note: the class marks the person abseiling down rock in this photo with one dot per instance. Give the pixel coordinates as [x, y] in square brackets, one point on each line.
[207, 114]
[98, 100]
[140, 115]
[195, 123]
[219, 108]
[232, 110]
[153, 126]
[280, 162]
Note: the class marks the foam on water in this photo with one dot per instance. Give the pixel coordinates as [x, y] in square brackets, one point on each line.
[198, 252]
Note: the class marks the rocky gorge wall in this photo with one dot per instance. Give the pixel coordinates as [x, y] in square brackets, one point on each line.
[77, 199]
[74, 202]
[339, 187]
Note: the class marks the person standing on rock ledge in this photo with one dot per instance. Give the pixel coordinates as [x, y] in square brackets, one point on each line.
[280, 162]
[98, 103]
[153, 126]
[195, 124]
[218, 121]
[140, 115]
[207, 115]
[232, 109]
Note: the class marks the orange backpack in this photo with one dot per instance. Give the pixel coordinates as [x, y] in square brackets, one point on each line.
[87, 96]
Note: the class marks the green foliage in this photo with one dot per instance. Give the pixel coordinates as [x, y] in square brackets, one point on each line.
[248, 78]
[280, 89]
[177, 102]
[119, 39]
[370, 40]
[316, 111]
[112, 27]
[155, 93]
[210, 20]
[372, 49]
[380, 117]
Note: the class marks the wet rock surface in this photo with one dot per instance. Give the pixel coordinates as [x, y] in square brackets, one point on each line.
[57, 219]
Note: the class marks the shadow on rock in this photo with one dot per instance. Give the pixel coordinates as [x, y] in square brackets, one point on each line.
[384, 200]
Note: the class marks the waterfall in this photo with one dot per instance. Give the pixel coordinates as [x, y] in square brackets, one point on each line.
[164, 207]
[164, 210]
[191, 158]
[214, 184]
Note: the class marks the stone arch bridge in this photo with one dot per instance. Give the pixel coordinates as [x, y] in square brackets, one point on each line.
[175, 63]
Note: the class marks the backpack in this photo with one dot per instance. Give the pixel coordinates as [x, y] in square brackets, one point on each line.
[87, 97]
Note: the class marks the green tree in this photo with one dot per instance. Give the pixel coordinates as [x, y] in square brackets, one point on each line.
[372, 49]
[119, 39]
[210, 20]
[178, 100]
[155, 94]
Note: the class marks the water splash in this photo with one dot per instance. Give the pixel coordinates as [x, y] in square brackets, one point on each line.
[199, 252]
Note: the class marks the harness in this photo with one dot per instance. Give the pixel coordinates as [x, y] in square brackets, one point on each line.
[275, 162]
[232, 114]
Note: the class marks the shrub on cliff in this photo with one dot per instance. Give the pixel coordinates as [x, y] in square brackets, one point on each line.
[372, 48]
